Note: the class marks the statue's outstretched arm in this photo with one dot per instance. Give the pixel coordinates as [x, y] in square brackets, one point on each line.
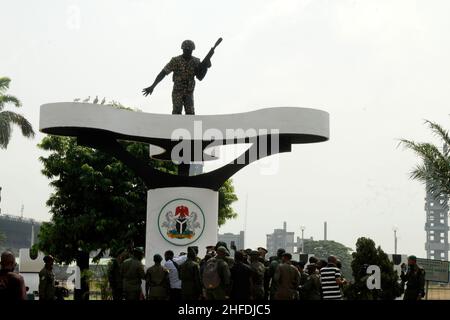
[159, 77]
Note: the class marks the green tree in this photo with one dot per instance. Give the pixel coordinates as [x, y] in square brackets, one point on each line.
[322, 249]
[98, 203]
[226, 198]
[434, 170]
[8, 118]
[367, 254]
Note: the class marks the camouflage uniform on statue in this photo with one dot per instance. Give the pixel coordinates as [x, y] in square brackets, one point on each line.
[185, 69]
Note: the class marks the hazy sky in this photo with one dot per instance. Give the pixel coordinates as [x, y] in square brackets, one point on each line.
[378, 67]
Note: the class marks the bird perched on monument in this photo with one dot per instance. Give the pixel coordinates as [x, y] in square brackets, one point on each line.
[76, 99]
[87, 99]
[103, 100]
[95, 100]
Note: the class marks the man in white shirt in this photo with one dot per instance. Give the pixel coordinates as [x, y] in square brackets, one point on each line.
[172, 264]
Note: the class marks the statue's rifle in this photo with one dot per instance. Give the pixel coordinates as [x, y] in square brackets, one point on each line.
[206, 62]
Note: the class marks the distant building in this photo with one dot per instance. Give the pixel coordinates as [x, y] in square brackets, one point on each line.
[19, 232]
[237, 238]
[280, 238]
[436, 226]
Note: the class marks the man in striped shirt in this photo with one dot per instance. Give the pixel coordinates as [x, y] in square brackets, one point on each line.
[330, 279]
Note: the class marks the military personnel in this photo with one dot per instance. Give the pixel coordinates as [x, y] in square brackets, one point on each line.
[271, 285]
[219, 269]
[287, 279]
[191, 286]
[303, 275]
[241, 277]
[114, 278]
[414, 278]
[132, 273]
[258, 273]
[229, 260]
[211, 250]
[157, 283]
[262, 256]
[47, 280]
[195, 250]
[314, 261]
[311, 288]
[185, 68]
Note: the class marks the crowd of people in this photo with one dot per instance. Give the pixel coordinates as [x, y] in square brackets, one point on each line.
[219, 276]
[216, 276]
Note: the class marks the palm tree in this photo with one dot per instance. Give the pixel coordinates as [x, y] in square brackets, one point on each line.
[9, 117]
[434, 170]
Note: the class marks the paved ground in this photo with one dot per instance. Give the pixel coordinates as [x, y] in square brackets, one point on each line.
[439, 293]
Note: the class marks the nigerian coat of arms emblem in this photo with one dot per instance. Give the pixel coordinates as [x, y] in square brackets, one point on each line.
[181, 222]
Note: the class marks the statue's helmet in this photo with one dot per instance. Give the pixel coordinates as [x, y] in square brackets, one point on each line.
[188, 45]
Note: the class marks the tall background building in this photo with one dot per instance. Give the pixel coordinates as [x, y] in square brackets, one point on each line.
[19, 232]
[229, 237]
[436, 226]
[280, 238]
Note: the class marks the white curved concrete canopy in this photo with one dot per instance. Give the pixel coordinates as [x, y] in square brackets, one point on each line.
[299, 125]
[102, 127]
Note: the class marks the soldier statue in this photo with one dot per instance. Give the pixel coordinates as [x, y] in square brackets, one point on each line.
[185, 69]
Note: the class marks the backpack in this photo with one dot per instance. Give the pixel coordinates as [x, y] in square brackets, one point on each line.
[177, 266]
[211, 278]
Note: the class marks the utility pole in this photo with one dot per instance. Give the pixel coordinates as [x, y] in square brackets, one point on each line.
[302, 228]
[395, 239]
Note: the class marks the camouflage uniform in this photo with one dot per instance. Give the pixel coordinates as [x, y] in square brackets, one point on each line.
[191, 286]
[311, 288]
[222, 291]
[259, 272]
[46, 285]
[287, 279]
[157, 283]
[270, 278]
[415, 283]
[115, 281]
[184, 72]
[132, 272]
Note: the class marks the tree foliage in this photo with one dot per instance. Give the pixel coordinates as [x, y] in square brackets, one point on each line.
[434, 169]
[367, 254]
[8, 118]
[322, 249]
[226, 198]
